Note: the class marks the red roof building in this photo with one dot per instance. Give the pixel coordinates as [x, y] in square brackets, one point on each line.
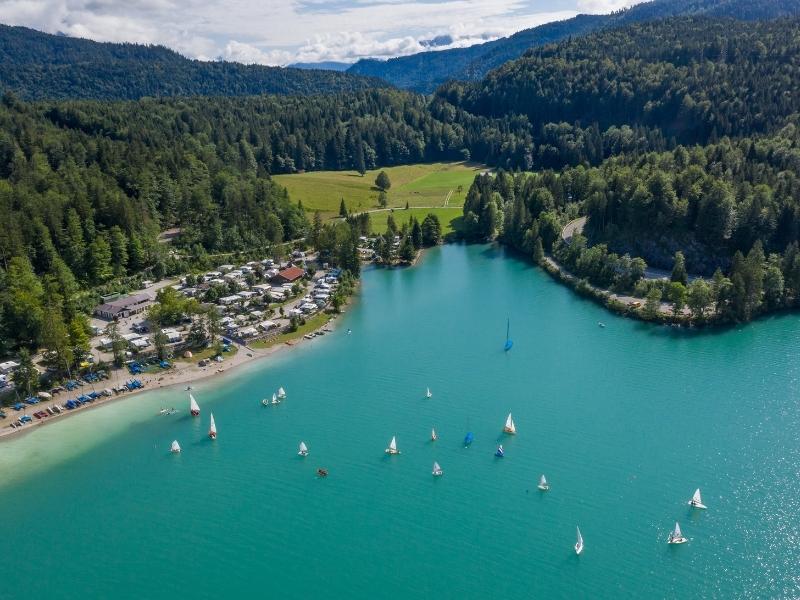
[289, 275]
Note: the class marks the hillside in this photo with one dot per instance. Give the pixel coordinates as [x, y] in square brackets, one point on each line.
[36, 65]
[692, 79]
[425, 71]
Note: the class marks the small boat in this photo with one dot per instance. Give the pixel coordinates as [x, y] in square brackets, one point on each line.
[303, 449]
[265, 402]
[434, 437]
[349, 331]
[675, 536]
[468, 439]
[194, 408]
[509, 343]
[579, 542]
[601, 324]
[437, 470]
[428, 393]
[212, 430]
[175, 448]
[510, 427]
[281, 393]
[392, 449]
[697, 500]
[500, 453]
[322, 472]
[543, 485]
[163, 411]
[275, 399]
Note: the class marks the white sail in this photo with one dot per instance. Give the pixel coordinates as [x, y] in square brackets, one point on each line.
[176, 447]
[579, 542]
[428, 393]
[194, 408]
[697, 500]
[212, 430]
[281, 393]
[303, 449]
[434, 437]
[392, 449]
[437, 470]
[274, 399]
[543, 485]
[510, 427]
[676, 533]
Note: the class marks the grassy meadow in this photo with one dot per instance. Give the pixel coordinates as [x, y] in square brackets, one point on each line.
[422, 185]
[449, 217]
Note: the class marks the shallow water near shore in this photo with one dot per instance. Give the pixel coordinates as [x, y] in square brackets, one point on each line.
[625, 421]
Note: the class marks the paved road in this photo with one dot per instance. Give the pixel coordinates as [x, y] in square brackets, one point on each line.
[571, 228]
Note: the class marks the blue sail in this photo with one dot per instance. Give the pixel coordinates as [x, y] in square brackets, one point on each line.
[468, 439]
[509, 341]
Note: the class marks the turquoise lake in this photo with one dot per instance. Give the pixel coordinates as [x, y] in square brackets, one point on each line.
[625, 421]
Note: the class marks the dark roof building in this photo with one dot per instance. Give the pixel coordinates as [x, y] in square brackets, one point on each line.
[289, 275]
[123, 307]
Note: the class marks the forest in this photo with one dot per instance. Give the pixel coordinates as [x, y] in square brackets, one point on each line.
[36, 65]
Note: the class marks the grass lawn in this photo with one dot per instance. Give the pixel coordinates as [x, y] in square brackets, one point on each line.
[420, 185]
[207, 353]
[449, 217]
[312, 323]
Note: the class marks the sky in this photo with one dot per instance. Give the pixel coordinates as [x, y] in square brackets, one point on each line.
[280, 32]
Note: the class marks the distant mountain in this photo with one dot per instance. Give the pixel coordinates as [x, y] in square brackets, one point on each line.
[327, 65]
[425, 71]
[38, 65]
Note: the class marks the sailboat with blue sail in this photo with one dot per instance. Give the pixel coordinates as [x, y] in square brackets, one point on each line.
[509, 341]
[468, 439]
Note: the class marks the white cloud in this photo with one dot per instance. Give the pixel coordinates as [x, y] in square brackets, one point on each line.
[284, 31]
[604, 6]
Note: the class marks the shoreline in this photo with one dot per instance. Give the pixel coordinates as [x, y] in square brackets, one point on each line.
[188, 373]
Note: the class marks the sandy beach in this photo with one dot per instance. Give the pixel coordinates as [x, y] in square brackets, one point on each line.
[181, 375]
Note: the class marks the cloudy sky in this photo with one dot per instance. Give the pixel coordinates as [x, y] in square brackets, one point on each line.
[278, 32]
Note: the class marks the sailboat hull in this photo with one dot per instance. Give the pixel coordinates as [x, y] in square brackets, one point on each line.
[509, 431]
[694, 504]
[680, 540]
[213, 436]
[578, 549]
[390, 451]
[438, 473]
[195, 413]
[544, 488]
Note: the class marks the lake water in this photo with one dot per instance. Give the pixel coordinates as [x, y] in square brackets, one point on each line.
[625, 421]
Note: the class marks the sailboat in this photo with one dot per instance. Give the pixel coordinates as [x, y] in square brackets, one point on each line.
[697, 500]
[509, 342]
[303, 449]
[194, 408]
[428, 393]
[543, 485]
[274, 399]
[265, 402]
[212, 430]
[500, 453]
[579, 542]
[434, 437]
[510, 427]
[437, 470]
[281, 393]
[675, 536]
[468, 439]
[175, 448]
[392, 449]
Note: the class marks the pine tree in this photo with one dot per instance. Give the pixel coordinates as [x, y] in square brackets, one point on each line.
[679, 273]
[342, 209]
[26, 376]
[416, 234]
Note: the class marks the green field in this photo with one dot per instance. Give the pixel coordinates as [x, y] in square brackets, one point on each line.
[425, 185]
[449, 218]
